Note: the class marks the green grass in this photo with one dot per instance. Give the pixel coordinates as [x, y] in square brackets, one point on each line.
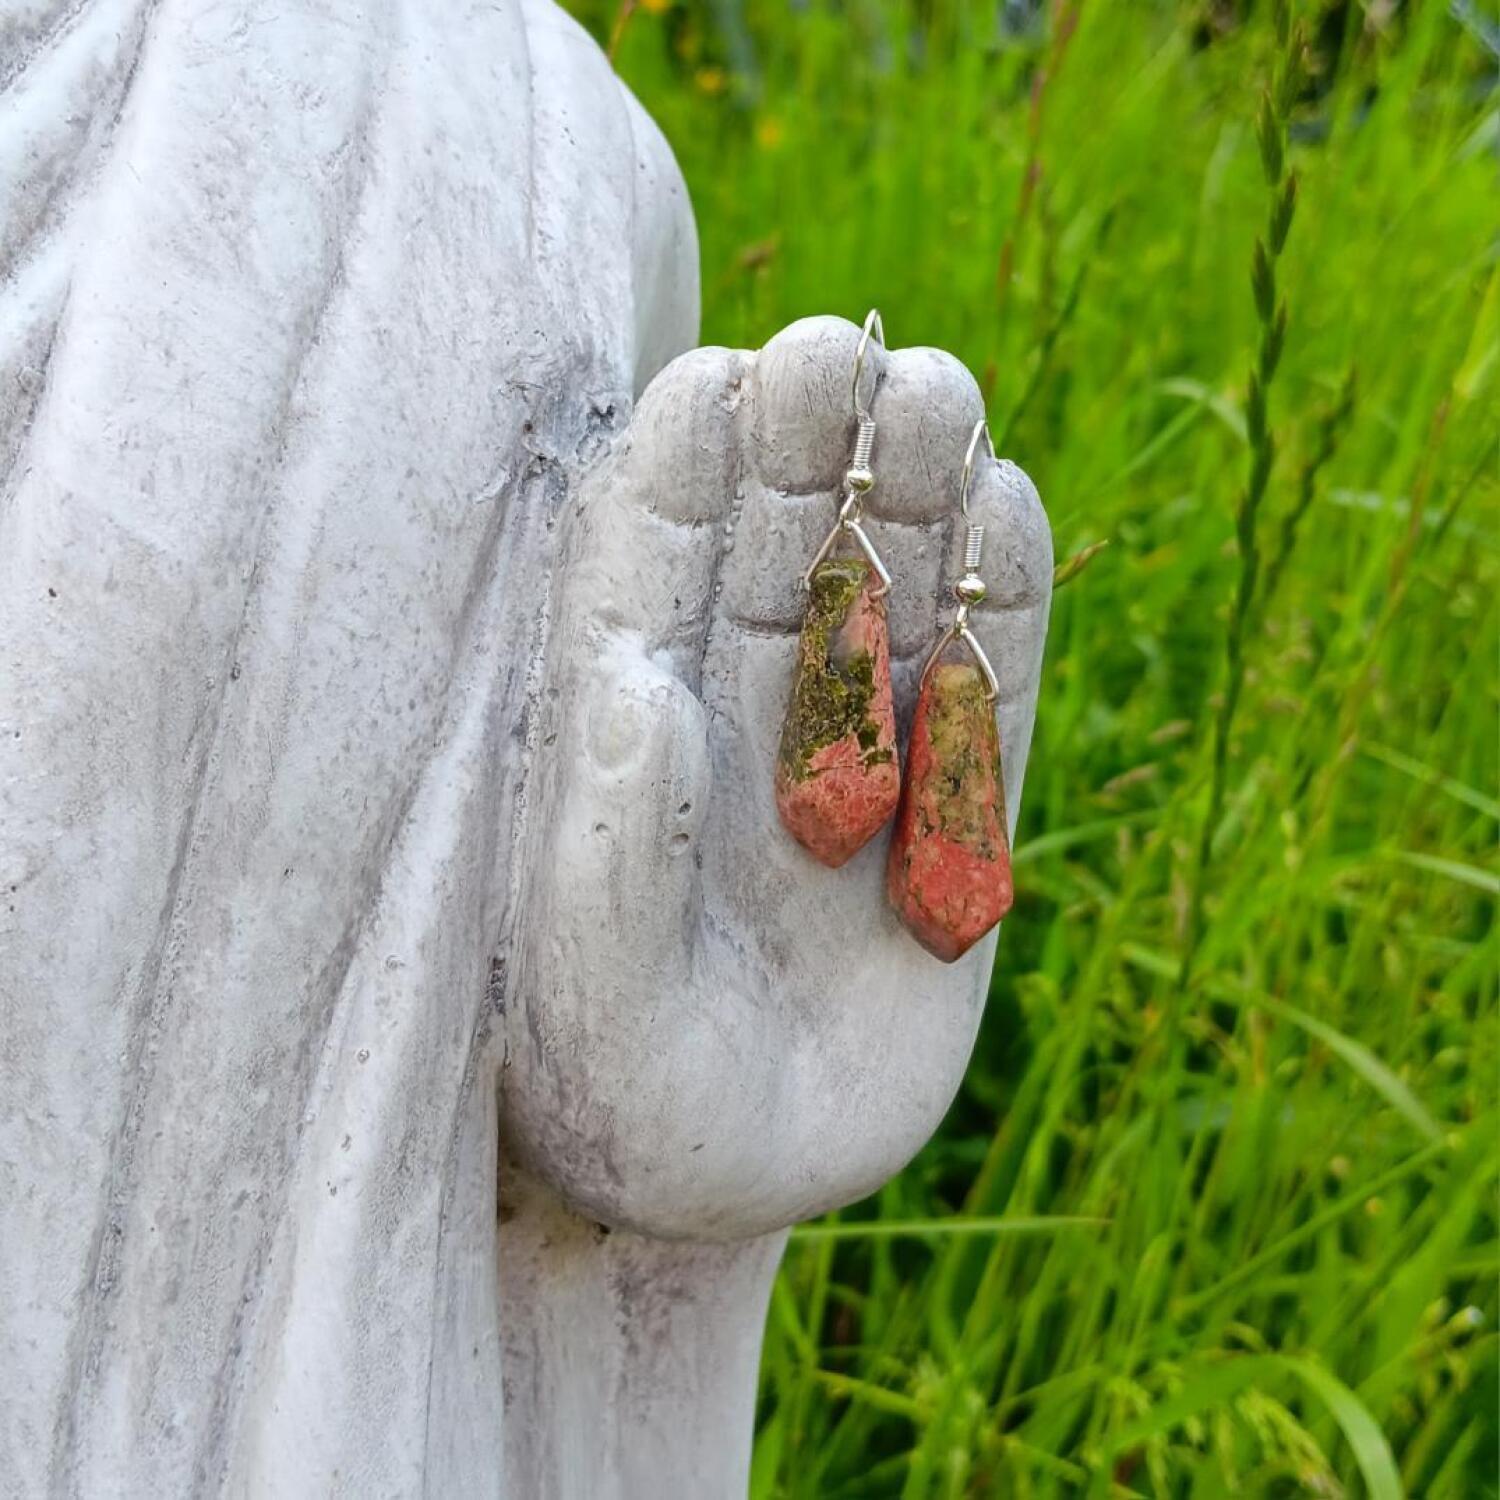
[1215, 1213]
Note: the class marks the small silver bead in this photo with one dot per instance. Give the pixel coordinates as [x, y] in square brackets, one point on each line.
[861, 481]
[970, 589]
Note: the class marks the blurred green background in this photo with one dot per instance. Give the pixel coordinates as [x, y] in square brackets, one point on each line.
[1215, 1213]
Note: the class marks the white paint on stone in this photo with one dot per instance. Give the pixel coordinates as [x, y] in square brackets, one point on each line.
[385, 762]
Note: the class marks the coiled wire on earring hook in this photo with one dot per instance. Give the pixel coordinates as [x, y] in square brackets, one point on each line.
[859, 477]
[970, 589]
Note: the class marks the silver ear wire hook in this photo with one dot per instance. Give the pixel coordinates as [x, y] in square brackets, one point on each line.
[970, 589]
[873, 327]
[981, 430]
[859, 478]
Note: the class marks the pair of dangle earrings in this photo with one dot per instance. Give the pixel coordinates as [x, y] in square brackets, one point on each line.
[837, 776]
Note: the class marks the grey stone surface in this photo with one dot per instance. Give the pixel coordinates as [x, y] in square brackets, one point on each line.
[386, 733]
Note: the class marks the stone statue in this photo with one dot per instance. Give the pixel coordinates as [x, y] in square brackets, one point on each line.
[387, 720]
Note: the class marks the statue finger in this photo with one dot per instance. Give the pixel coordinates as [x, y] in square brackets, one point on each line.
[650, 524]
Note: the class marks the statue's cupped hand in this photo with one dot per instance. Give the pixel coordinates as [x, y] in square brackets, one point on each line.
[709, 1034]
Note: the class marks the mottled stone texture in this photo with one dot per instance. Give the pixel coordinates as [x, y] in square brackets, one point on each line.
[948, 875]
[837, 780]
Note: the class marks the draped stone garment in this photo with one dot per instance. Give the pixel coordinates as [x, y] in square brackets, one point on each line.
[307, 309]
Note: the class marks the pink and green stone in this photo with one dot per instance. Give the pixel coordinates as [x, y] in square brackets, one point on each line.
[837, 781]
[948, 874]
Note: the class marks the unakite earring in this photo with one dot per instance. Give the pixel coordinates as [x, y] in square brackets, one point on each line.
[948, 874]
[837, 780]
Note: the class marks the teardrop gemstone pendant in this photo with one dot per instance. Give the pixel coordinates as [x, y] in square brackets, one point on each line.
[837, 780]
[948, 875]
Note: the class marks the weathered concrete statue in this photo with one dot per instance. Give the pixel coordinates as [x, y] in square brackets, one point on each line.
[387, 722]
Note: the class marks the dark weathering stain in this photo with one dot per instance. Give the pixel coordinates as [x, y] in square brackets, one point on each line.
[494, 990]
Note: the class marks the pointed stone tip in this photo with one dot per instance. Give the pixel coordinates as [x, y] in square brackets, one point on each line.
[946, 898]
[840, 805]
